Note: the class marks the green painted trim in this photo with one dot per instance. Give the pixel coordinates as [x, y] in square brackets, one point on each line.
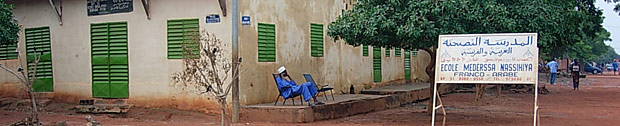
[376, 64]
[38, 45]
[365, 50]
[183, 33]
[266, 42]
[316, 40]
[109, 60]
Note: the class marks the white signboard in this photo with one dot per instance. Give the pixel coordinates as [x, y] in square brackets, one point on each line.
[487, 58]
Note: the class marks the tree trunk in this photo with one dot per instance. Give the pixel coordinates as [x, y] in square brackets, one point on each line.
[430, 71]
[480, 91]
[498, 90]
[223, 104]
[35, 112]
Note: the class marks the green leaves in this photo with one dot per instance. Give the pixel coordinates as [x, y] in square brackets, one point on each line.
[8, 25]
[617, 7]
[417, 24]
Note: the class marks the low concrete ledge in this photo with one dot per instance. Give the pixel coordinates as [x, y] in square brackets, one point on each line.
[344, 105]
[406, 93]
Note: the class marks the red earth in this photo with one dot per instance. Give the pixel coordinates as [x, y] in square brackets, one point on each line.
[595, 104]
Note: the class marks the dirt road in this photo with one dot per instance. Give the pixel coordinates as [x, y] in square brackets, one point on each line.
[596, 104]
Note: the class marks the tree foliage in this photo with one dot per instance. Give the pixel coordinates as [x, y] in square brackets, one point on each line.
[417, 24]
[592, 48]
[9, 26]
[608, 57]
[617, 7]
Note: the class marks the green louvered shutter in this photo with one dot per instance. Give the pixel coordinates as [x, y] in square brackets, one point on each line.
[414, 52]
[387, 52]
[110, 64]
[266, 42]
[407, 65]
[316, 40]
[99, 60]
[376, 64]
[4, 52]
[365, 50]
[38, 47]
[119, 64]
[397, 52]
[183, 32]
[8, 52]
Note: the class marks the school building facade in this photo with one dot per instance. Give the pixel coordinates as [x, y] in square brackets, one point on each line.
[129, 49]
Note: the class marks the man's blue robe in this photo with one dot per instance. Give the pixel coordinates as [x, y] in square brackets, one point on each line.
[306, 89]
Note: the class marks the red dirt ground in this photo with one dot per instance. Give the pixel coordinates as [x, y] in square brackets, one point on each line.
[596, 104]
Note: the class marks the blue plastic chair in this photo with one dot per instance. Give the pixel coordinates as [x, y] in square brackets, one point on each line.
[323, 88]
[280, 90]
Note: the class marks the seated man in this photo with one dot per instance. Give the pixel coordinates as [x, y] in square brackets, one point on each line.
[307, 90]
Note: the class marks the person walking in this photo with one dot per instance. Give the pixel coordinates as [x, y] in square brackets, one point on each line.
[553, 70]
[615, 66]
[575, 73]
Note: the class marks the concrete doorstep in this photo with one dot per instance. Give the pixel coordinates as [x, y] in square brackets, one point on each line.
[344, 105]
[102, 106]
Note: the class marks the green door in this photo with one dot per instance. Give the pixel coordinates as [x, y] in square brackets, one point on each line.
[110, 68]
[38, 46]
[376, 64]
[407, 65]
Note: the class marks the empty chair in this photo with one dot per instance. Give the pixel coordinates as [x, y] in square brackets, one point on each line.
[322, 88]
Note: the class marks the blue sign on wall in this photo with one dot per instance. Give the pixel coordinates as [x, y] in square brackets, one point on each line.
[245, 20]
[213, 18]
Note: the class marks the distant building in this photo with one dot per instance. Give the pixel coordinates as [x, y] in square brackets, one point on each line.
[111, 49]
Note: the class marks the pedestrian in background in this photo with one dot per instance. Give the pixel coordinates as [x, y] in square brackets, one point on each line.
[575, 73]
[553, 70]
[615, 66]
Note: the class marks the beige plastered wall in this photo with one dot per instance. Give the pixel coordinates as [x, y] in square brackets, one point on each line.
[149, 69]
[341, 66]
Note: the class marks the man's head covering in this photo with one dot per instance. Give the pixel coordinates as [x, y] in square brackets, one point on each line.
[281, 69]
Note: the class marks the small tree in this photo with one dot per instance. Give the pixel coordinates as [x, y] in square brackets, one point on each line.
[205, 69]
[27, 83]
[8, 36]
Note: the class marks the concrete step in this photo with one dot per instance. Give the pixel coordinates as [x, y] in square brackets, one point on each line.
[407, 93]
[344, 105]
[102, 106]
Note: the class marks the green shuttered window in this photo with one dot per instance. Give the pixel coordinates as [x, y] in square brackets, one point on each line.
[8, 52]
[414, 52]
[397, 52]
[183, 33]
[365, 50]
[109, 53]
[387, 52]
[376, 64]
[266, 42]
[407, 65]
[316, 40]
[38, 47]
